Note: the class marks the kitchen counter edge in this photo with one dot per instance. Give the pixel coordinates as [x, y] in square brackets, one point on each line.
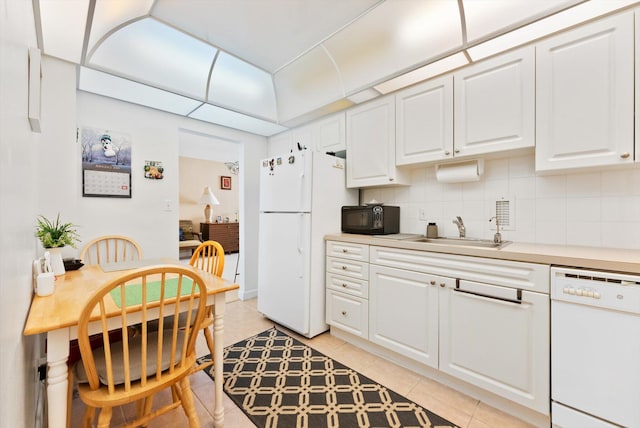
[610, 259]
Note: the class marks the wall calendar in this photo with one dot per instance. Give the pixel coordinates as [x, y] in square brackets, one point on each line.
[106, 163]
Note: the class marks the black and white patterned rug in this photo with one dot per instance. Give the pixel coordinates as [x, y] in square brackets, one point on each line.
[280, 382]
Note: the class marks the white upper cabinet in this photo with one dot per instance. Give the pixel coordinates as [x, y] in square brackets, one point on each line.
[371, 149]
[495, 104]
[585, 96]
[424, 122]
[330, 134]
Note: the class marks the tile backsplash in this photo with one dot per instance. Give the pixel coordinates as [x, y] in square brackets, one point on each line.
[599, 208]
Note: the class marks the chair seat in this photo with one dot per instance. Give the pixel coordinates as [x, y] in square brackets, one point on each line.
[135, 363]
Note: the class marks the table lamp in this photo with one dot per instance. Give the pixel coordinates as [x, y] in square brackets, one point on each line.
[207, 199]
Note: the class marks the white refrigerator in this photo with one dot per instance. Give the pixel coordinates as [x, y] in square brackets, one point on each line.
[301, 194]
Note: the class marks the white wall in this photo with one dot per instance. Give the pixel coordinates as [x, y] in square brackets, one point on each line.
[41, 174]
[599, 208]
[18, 193]
[154, 136]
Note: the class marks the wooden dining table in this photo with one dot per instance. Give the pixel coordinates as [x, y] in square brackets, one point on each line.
[57, 316]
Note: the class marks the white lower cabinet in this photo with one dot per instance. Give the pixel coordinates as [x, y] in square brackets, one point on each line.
[484, 321]
[404, 312]
[497, 338]
[347, 284]
[348, 313]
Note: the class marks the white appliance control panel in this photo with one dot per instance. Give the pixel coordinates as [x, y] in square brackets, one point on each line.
[581, 291]
[596, 288]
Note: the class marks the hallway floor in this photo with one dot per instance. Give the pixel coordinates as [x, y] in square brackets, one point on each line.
[242, 320]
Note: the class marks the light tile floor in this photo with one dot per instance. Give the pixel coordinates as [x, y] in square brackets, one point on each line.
[242, 320]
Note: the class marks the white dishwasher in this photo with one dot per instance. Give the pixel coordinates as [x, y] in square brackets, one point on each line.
[595, 349]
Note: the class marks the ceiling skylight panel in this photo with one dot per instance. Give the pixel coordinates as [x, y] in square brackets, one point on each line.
[395, 36]
[109, 14]
[137, 93]
[307, 84]
[232, 119]
[63, 28]
[491, 17]
[423, 73]
[154, 53]
[549, 25]
[242, 87]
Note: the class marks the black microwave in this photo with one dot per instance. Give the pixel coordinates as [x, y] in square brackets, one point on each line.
[371, 219]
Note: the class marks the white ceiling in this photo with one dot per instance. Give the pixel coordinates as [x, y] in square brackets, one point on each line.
[265, 65]
[266, 33]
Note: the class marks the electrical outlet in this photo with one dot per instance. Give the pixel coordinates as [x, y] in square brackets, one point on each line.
[168, 205]
[422, 214]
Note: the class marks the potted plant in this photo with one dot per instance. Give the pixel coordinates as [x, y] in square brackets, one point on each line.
[55, 235]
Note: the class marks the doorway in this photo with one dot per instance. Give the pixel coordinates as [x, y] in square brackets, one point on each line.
[213, 163]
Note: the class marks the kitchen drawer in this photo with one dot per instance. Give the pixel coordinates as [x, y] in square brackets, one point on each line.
[348, 250]
[351, 268]
[348, 313]
[523, 275]
[344, 284]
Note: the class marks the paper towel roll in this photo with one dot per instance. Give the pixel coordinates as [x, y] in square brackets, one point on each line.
[459, 172]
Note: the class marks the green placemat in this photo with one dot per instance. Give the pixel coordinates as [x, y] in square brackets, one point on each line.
[133, 292]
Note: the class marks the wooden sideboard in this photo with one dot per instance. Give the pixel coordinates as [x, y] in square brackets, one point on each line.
[224, 233]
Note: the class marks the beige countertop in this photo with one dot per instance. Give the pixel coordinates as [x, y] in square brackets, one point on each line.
[612, 259]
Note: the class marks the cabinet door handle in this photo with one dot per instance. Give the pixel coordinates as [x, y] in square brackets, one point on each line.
[625, 155]
[442, 284]
[447, 152]
[344, 313]
[433, 282]
[391, 178]
[457, 150]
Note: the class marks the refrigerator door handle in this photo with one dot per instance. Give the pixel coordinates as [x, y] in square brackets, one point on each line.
[301, 193]
[301, 246]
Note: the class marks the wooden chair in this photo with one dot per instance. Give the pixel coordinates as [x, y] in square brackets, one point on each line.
[110, 249]
[209, 256]
[134, 369]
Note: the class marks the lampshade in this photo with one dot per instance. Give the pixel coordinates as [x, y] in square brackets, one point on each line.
[208, 199]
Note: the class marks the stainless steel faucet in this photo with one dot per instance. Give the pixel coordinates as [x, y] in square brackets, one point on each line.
[461, 229]
[497, 237]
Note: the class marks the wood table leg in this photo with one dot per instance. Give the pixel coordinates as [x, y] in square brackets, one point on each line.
[218, 346]
[57, 381]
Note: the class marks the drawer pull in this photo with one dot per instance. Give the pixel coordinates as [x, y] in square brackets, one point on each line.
[344, 313]
[344, 285]
[442, 284]
[344, 250]
[433, 282]
[344, 267]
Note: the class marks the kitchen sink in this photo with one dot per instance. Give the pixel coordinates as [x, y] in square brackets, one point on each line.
[469, 242]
